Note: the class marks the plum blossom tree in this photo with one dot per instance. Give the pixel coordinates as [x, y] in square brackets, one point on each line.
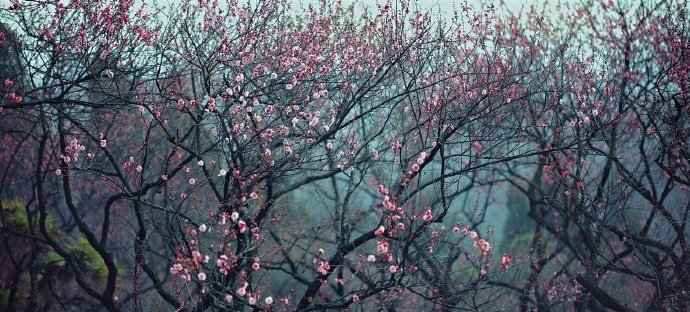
[612, 204]
[231, 156]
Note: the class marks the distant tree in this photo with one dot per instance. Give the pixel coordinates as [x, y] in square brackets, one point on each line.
[610, 213]
[10, 68]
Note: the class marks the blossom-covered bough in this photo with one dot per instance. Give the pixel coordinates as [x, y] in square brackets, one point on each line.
[229, 156]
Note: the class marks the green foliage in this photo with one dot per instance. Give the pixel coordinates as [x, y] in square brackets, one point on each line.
[13, 215]
[519, 244]
[83, 250]
[517, 232]
[4, 296]
[53, 258]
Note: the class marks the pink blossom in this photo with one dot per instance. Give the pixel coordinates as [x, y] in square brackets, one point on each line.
[176, 269]
[381, 247]
[242, 290]
[224, 264]
[242, 226]
[239, 78]
[483, 245]
[427, 215]
[505, 261]
[14, 98]
[314, 121]
[607, 91]
[254, 195]
[212, 104]
[477, 147]
[201, 276]
[323, 267]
